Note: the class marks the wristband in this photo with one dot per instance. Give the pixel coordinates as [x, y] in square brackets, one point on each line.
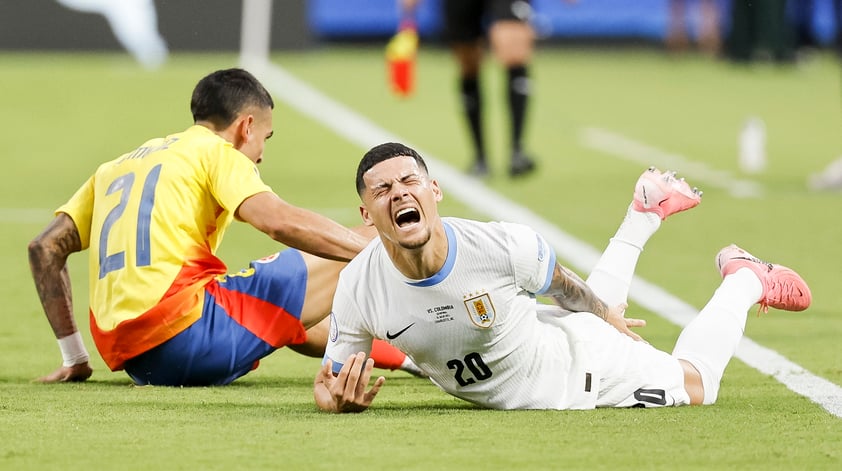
[73, 350]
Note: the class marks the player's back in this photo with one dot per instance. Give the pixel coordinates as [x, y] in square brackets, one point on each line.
[152, 220]
[153, 215]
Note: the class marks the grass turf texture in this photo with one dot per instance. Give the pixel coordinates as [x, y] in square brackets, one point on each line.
[67, 113]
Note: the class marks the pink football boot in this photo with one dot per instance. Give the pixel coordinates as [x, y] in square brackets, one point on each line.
[782, 287]
[663, 194]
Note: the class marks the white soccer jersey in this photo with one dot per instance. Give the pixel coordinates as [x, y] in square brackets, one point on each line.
[473, 327]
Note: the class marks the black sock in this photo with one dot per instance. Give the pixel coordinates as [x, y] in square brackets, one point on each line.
[519, 90]
[472, 105]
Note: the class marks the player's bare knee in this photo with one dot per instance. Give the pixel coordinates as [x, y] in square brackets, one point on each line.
[693, 383]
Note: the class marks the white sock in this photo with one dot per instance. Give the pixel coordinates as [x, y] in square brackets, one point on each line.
[611, 277]
[710, 340]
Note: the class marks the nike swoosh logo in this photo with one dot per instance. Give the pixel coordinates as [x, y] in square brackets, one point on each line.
[398, 333]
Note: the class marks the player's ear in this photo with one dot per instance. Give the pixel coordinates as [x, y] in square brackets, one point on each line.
[366, 216]
[434, 184]
[242, 130]
[247, 125]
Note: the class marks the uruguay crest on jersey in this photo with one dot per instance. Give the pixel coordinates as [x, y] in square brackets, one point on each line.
[481, 310]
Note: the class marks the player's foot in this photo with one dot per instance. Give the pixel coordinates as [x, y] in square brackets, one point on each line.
[479, 168]
[663, 194]
[521, 164]
[782, 287]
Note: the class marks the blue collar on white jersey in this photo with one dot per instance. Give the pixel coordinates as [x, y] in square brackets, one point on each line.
[448, 264]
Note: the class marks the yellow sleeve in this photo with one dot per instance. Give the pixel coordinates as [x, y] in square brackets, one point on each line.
[233, 178]
[80, 208]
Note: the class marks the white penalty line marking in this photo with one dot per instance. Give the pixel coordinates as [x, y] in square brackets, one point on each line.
[646, 155]
[473, 194]
[25, 215]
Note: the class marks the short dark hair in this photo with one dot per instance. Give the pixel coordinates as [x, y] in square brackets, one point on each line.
[220, 96]
[383, 152]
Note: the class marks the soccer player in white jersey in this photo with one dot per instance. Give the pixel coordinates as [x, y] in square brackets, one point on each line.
[459, 298]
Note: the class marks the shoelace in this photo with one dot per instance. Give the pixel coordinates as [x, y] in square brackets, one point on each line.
[746, 257]
[785, 292]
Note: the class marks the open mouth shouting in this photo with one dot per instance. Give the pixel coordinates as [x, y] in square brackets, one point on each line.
[407, 217]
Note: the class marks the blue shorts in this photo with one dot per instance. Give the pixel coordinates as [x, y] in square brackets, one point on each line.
[246, 316]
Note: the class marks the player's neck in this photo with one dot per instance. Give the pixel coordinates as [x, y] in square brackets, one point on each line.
[421, 262]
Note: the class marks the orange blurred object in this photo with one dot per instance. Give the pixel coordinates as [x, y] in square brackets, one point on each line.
[400, 60]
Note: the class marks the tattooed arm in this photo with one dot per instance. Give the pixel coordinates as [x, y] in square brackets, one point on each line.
[48, 254]
[570, 292]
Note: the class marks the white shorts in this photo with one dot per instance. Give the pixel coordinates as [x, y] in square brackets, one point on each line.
[626, 373]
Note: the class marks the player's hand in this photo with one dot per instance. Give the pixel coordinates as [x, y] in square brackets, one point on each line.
[347, 391]
[617, 317]
[408, 5]
[79, 372]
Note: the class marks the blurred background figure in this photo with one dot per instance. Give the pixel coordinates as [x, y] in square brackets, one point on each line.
[707, 32]
[134, 23]
[506, 26]
[829, 179]
[762, 29]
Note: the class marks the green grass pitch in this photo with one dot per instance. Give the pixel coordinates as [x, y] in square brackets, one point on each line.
[64, 114]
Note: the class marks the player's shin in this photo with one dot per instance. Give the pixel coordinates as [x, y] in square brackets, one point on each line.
[710, 340]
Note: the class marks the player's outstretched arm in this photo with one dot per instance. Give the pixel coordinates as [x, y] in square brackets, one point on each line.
[346, 392]
[48, 254]
[303, 229]
[569, 291]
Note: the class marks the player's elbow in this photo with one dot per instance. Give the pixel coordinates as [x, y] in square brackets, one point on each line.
[272, 216]
[287, 233]
[45, 252]
[40, 252]
[55, 243]
[36, 250]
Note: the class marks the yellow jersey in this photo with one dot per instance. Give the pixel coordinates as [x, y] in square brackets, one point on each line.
[153, 219]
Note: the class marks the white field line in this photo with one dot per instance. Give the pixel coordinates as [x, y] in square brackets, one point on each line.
[646, 155]
[43, 216]
[25, 215]
[581, 256]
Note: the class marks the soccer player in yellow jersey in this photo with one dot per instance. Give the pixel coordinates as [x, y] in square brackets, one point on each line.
[161, 305]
